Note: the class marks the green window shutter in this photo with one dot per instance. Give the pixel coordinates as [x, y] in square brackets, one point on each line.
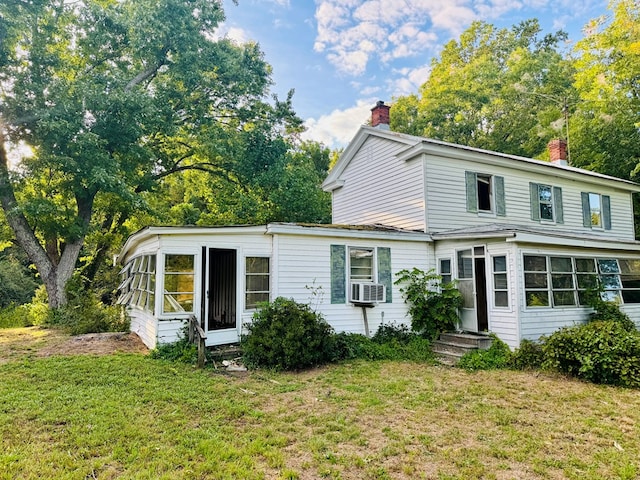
[606, 212]
[501, 206]
[586, 210]
[472, 191]
[535, 202]
[557, 204]
[384, 271]
[338, 274]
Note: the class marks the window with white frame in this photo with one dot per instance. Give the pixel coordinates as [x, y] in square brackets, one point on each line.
[445, 270]
[256, 281]
[361, 264]
[596, 210]
[546, 203]
[179, 283]
[138, 283]
[485, 193]
[500, 281]
[557, 281]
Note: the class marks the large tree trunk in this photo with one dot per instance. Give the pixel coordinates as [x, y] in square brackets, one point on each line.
[55, 274]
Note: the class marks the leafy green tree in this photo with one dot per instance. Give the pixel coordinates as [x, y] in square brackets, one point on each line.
[113, 96]
[605, 134]
[501, 90]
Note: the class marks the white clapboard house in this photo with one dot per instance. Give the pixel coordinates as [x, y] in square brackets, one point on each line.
[524, 239]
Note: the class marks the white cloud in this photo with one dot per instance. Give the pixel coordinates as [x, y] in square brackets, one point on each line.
[408, 80]
[233, 33]
[361, 31]
[339, 127]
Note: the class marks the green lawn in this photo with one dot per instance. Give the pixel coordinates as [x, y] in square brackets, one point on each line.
[129, 416]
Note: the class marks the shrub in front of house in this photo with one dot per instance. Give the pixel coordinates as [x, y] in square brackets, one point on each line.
[286, 335]
[528, 356]
[497, 356]
[433, 304]
[599, 351]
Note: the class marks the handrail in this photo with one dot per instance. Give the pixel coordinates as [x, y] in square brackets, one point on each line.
[195, 330]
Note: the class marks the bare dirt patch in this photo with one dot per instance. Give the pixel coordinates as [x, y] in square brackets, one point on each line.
[16, 343]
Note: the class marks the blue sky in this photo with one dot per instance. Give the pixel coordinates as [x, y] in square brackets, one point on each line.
[341, 56]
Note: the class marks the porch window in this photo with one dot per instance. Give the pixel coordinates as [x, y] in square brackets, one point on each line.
[536, 284]
[546, 203]
[445, 270]
[465, 277]
[138, 283]
[610, 279]
[500, 285]
[178, 283]
[562, 286]
[256, 281]
[586, 278]
[630, 278]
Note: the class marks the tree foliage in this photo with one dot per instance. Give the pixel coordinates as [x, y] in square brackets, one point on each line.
[501, 90]
[114, 96]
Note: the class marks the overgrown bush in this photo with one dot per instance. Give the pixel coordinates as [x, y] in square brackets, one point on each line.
[497, 356]
[287, 335]
[390, 342]
[85, 313]
[179, 351]
[17, 281]
[600, 352]
[529, 356]
[433, 305]
[610, 311]
[14, 316]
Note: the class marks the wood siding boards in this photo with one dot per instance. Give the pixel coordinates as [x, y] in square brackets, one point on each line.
[381, 189]
[447, 202]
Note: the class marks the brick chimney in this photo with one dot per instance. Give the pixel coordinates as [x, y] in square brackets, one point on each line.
[380, 115]
[558, 151]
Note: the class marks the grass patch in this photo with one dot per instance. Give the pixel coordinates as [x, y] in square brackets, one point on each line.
[129, 416]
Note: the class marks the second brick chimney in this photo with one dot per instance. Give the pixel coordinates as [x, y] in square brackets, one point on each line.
[558, 151]
[380, 115]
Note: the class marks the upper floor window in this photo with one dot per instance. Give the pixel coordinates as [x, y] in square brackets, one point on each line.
[596, 210]
[485, 193]
[546, 203]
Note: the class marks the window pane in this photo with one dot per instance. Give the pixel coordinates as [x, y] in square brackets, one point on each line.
[257, 265]
[585, 265]
[631, 296]
[501, 299]
[611, 296]
[466, 290]
[587, 281]
[178, 283]
[563, 298]
[594, 206]
[610, 281]
[252, 299]
[537, 299]
[500, 264]
[361, 264]
[629, 266]
[179, 263]
[484, 192]
[563, 281]
[257, 283]
[500, 280]
[535, 280]
[178, 303]
[546, 211]
[465, 264]
[608, 266]
[445, 266]
[544, 192]
[561, 264]
[534, 263]
[630, 281]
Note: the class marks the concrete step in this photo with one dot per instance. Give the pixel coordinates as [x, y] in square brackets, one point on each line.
[450, 347]
[475, 340]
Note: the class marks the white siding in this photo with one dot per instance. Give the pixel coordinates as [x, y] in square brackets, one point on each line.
[446, 205]
[144, 325]
[380, 189]
[303, 266]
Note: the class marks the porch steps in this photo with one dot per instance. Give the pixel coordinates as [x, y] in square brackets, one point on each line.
[224, 352]
[450, 347]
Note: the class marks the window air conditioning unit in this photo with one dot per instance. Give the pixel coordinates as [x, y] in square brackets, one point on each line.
[368, 293]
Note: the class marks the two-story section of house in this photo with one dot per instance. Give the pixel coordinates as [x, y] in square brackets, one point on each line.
[525, 239]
